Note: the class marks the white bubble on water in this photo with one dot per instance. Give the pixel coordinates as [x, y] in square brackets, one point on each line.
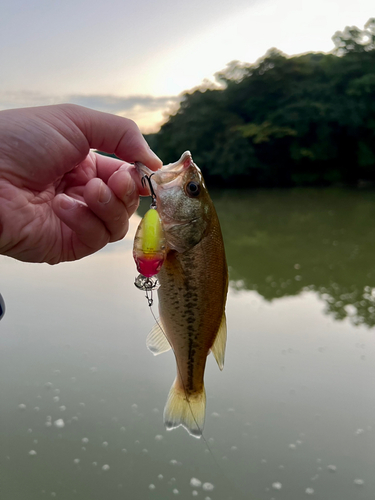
[359, 482]
[309, 491]
[215, 414]
[175, 491]
[208, 486]
[195, 482]
[59, 423]
[48, 385]
[75, 419]
[158, 437]
[62, 408]
[48, 424]
[76, 461]
[277, 485]
[22, 406]
[56, 399]
[105, 444]
[292, 446]
[29, 430]
[145, 450]
[151, 487]
[85, 440]
[175, 462]
[95, 464]
[358, 432]
[124, 450]
[134, 406]
[105, 467]
[332, 468]
[350, 309]
[32, 452]
[194, 493]
[160, 476]
[53, 494]
[35, 441]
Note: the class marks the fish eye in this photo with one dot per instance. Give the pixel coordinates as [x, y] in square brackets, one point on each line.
[193, 189]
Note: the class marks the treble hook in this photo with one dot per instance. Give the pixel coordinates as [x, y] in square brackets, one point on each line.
[153, 195]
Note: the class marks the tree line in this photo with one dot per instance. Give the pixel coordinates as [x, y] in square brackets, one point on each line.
[283, 121]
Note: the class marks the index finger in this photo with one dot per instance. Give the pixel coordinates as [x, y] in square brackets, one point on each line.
[112, 134]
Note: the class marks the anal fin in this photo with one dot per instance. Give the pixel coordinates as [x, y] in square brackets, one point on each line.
[156, 340]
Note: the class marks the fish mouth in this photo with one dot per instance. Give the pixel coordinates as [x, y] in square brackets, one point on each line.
[167, 173]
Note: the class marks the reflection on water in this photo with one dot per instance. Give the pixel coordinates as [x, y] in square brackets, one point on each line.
[292, 414]
[281, 243]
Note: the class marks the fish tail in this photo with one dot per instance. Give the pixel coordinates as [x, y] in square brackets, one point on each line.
[188, 411]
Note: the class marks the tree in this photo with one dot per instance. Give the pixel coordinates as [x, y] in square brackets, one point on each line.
[283, 121]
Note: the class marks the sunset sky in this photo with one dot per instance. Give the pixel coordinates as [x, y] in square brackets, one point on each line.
[135, 58]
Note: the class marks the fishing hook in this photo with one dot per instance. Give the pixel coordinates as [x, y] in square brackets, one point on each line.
[153, 195]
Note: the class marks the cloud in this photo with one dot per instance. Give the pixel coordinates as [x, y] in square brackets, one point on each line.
[148, 112]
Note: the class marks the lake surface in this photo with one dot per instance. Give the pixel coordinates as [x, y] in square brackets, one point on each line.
[291, 416]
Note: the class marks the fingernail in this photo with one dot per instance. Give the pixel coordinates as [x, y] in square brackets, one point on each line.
[131, 184]
[155, 156]
[67, 203]
[104, 193]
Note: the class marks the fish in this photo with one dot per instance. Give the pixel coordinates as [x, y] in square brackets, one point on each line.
[193, 288]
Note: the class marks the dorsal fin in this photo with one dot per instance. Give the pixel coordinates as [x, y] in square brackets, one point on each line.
[156, 341]
[218, 348]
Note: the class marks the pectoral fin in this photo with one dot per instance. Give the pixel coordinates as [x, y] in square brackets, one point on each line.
[156, 341]
[218, 348]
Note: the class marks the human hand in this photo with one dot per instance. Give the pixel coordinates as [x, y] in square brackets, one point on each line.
[59, 201]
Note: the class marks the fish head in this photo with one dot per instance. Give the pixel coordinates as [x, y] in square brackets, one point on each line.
[183, 202]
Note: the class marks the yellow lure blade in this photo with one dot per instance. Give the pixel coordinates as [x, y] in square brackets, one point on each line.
[149, 244]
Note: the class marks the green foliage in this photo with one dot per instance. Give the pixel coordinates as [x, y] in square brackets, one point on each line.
[284, 121]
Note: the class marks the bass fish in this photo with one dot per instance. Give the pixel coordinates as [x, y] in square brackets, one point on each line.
[193, 288]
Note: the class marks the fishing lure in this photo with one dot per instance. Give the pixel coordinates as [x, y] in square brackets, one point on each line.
[149, 249]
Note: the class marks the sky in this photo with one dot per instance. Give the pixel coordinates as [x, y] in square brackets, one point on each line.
[136, 58]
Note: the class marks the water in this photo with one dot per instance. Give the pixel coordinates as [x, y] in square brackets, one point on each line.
[292, 415]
